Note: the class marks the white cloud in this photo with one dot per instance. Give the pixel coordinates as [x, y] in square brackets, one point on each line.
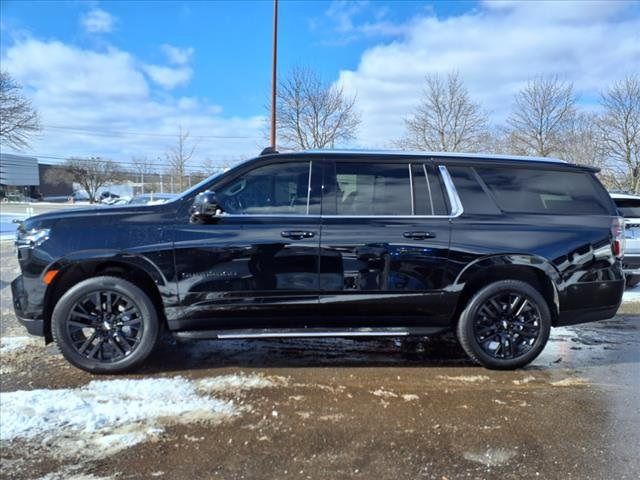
[102, 103]
[177, 55]
[97, 20]
[496, 48]
[168, 77]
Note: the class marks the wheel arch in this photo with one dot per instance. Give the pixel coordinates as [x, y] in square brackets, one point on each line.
[532, 269]
[72, 270]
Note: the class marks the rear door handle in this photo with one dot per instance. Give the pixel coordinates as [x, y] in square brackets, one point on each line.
[297, 234]
[419, 235]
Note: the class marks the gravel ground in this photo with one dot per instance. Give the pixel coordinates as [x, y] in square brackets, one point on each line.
[324, 409]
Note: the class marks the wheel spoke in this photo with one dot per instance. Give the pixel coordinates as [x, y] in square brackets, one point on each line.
[88, 341]
[116, 346]
[95, 348]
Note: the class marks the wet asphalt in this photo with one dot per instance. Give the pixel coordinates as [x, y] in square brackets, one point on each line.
[371, 409]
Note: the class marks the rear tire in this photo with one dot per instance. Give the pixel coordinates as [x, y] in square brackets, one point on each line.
[505, 325]
[105, 325]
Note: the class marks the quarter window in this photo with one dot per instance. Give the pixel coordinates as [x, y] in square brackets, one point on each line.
[373, 189]
[277, 189]
[525, 190]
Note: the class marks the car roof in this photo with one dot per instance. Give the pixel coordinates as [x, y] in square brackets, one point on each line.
[413, 153]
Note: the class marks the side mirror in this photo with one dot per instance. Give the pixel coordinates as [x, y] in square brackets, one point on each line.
[205, 208]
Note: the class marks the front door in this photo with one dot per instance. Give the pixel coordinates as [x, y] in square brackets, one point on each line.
[259, 257]
[385, 243]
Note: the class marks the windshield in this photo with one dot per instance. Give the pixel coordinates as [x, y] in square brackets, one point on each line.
[199, 185]
[629, 207]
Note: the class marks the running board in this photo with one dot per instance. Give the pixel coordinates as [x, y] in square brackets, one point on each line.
[306, 332]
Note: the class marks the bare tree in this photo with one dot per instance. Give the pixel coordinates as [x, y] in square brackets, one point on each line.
[446, 120]
[178, 157]
[542, 116]
[90, 173]
[18, 119]
[145, 170]
[620, 129]
[314, 114]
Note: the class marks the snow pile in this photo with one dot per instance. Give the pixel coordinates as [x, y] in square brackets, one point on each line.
[238, 383]
[106, 416]
[9, 345]
[631, 294]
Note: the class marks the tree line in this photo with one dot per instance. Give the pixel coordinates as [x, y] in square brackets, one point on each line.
[546, 119]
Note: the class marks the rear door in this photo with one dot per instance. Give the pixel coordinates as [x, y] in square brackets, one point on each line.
[385, 242]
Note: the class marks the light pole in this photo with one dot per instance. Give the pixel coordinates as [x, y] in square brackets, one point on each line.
[273, 74]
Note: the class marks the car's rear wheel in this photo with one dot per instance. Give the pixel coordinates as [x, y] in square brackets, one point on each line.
[505, 325]
[105, 325]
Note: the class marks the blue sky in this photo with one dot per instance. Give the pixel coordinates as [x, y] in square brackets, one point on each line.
[109, 68]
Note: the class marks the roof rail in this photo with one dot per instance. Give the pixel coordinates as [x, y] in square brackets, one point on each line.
[268, 151]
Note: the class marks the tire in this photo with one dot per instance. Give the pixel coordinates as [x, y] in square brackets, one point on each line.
[105, 325]
[632, 281]
[505, 340]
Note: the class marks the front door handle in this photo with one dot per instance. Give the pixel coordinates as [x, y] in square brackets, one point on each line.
[419, 235]
[297, 234]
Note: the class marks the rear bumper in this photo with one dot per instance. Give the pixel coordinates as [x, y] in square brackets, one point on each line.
[591, 301]
[31, 319]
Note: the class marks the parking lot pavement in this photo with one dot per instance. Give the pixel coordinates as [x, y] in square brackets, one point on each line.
[324, 409]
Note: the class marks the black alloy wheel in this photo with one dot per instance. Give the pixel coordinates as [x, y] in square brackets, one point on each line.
[105, 325]
[505, 325]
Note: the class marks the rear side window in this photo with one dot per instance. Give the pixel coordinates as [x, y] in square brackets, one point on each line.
[428, 191]
[629, 207]
[474, 198]
[523, 190]
[373, 189]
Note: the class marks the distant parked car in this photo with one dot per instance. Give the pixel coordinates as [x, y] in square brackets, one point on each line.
[152, 198]
[108, 197]
[629, 207]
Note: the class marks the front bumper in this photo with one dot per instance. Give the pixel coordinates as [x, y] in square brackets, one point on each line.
[32, 320]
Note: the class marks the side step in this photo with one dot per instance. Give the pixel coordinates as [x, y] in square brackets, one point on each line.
[306, 332]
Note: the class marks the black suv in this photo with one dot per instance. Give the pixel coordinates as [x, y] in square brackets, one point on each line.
[331, 243]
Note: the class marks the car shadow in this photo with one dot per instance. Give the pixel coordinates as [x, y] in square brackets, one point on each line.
[172, 355]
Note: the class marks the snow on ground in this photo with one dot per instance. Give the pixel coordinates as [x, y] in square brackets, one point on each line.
[9, 345]
[106, 416]
[632, 294]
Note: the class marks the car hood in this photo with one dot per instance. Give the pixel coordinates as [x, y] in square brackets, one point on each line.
[47, 220]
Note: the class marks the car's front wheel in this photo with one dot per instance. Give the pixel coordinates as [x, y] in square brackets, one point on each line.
[105, 325]
[505, 325]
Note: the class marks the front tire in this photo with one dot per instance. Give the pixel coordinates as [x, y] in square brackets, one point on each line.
[505, 325]
[105, 325]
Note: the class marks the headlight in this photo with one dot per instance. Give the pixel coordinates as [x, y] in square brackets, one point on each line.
[31, 238]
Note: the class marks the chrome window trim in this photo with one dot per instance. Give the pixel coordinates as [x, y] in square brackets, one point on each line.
[309, 187]
[413, 208]
[456, 207]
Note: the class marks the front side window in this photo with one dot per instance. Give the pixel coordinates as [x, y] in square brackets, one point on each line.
[373, 189]
[525, 190]
[277, 189]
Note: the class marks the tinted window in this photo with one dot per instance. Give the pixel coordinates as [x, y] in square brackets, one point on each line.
[473, 197]
[628, 207]
[428, 191]
[278, 189]
[372, 189]
[526, 190]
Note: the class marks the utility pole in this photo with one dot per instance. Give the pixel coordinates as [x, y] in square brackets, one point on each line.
[273, 74]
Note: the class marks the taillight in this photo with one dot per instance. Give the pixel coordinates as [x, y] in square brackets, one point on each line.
[617, 236]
